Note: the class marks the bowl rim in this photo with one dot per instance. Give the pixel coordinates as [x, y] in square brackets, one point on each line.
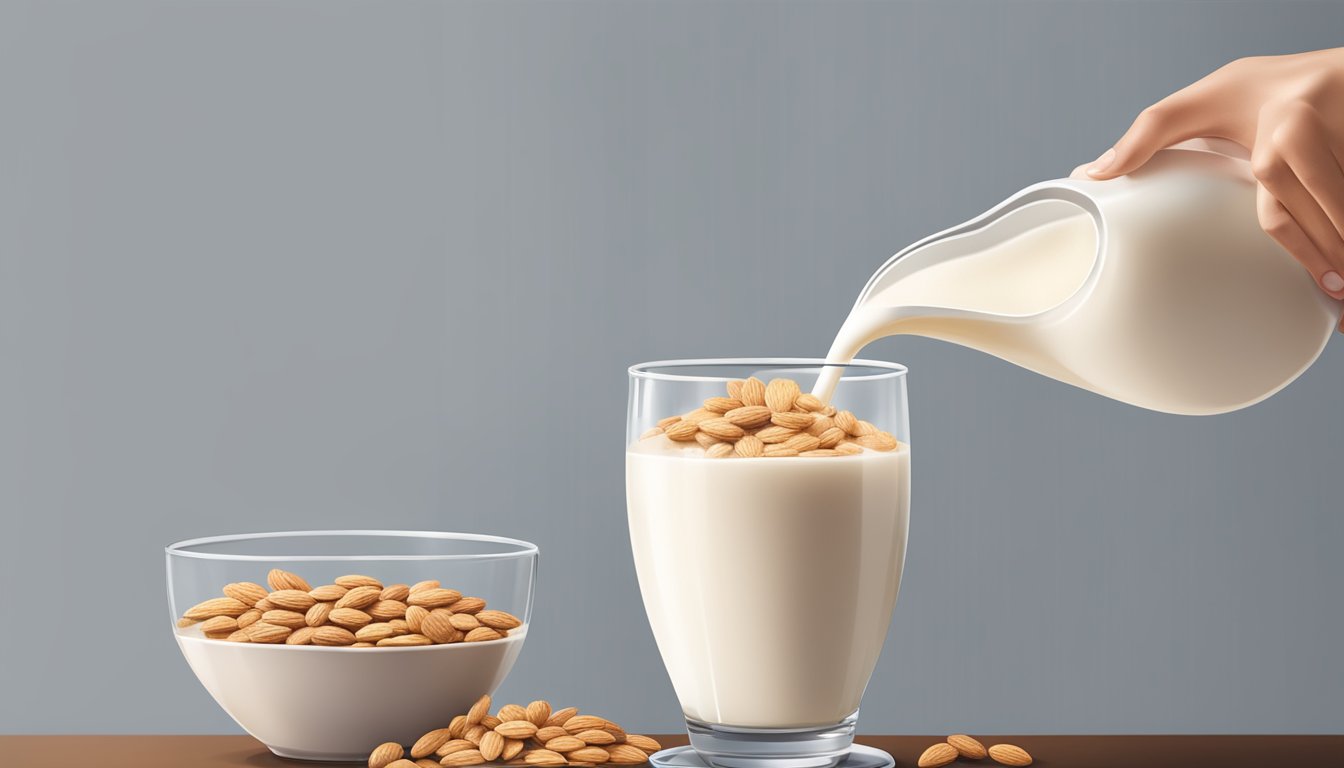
[179, 548]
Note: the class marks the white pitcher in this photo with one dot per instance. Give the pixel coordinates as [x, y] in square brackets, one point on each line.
[1159, 290]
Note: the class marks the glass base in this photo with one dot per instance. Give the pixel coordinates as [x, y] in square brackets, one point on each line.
[858, 756]
[721, 746]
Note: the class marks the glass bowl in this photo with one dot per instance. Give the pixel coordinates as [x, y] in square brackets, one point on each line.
[318, 702]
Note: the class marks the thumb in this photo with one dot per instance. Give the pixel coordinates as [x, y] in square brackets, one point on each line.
[1165, 123]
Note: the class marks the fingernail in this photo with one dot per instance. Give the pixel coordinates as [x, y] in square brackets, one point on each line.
[1102, 163]
[1332, 282]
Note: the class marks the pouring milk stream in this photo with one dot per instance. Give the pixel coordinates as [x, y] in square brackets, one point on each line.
[1159, 290]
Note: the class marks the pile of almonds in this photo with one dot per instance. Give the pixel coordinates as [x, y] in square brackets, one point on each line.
[516, 735]
[963, 746]
[357, 611]
[772, 420]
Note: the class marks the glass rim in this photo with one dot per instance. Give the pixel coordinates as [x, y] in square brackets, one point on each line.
[181, 548]
[645, 370]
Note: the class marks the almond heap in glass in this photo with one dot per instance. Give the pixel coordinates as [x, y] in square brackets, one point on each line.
[775, 420]
[356, 612]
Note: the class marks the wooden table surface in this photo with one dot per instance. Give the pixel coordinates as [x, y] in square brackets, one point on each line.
[1070, 751]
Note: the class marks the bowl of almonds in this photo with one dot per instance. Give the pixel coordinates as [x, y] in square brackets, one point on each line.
[324, 644]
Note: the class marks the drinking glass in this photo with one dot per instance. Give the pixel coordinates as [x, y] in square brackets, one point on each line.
[769, 582]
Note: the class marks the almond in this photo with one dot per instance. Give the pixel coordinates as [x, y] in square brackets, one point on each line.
[216, 625]
[706, 440]
[723, 429]
[291, 599]
[217, 606]
[464, 621]
[386, 610]
[753, 392]
[734, 387]
[511, 748]
[479, 710]
[454, 745]
[475, 732]
[775, 434]
[328, 593]
[846, 421]
[426, 584]
[357, 580]
[465, 757]
[511, 712]
[350, 618]
[279, 580]
[283, 618]
[431, 741]
[399, 626]
[802, 442]
[498, 619]
[581, 723]
[820, 424]
[265, 604]
[330, 635]
[596, 737]
[548, 732]
[261, 632]
[749, 416]
[458, 726]
[792, 420]
[517, 729]
[490, 721]
[590, 755]
[1009, 754]
[966, 746]
[415, 617]
[669, 421]
[879, 441]
[402, 763]
[372, 633]
[722, 404]
[317, 615]
[849, 449]
[301, 636]
[184, 622]
[779, 451]
[245, 592]
[809, 402]
[434, 598]
[720, 451]
[682, 432]
[938, 755]
[561, 716]
[862, 428]
[438, 626]
[249, 617]
[625, 754]
[749, 447]
[543, 757]
[468, 605]
[780, 394]
[492, 745]
[645, 743]
[360, 597]
[239, 637]
[398, 592]
[383, 754]
[482, 634]
[538, 712]
[831, 437]
[404, 641]
[565, 743]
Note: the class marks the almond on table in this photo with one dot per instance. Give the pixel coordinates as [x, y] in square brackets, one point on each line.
[357, 611]
[531, 735]
[774, 420]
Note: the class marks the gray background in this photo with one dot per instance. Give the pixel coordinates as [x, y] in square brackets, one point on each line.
[324, 264]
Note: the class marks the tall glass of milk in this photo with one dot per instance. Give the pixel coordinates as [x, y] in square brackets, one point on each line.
[769, 582]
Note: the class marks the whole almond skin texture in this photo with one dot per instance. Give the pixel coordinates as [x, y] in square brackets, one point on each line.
[384, 754]
[780, 394]
[481, 635]
[559, 717]
[218, 606]
[278, 580]
[938, 755]
[463, 758]
[589, 755]
[350, 618]
[517, 729]
[511, 712]
[752, 392]
[360, 597]
[749, 416]
[478, 710]
[431, 741]
[434, 598]
[538, 712]
[565, 743]
[317, 615]
[471, 605]
[596, 737]
[511, 748]
[301, 636]
[624, 754]
[544, 757]
[645, 743]
[328, 593]
[261, 632]
[358, 580]
[333, 636]
[492, 745]
[246, 592]
[1009, 754]
[456, 744]
[967, 747]
[292, 599]
[498, 619]
[284, 618]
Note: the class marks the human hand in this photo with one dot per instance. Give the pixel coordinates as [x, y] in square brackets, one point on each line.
[1288, 112]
